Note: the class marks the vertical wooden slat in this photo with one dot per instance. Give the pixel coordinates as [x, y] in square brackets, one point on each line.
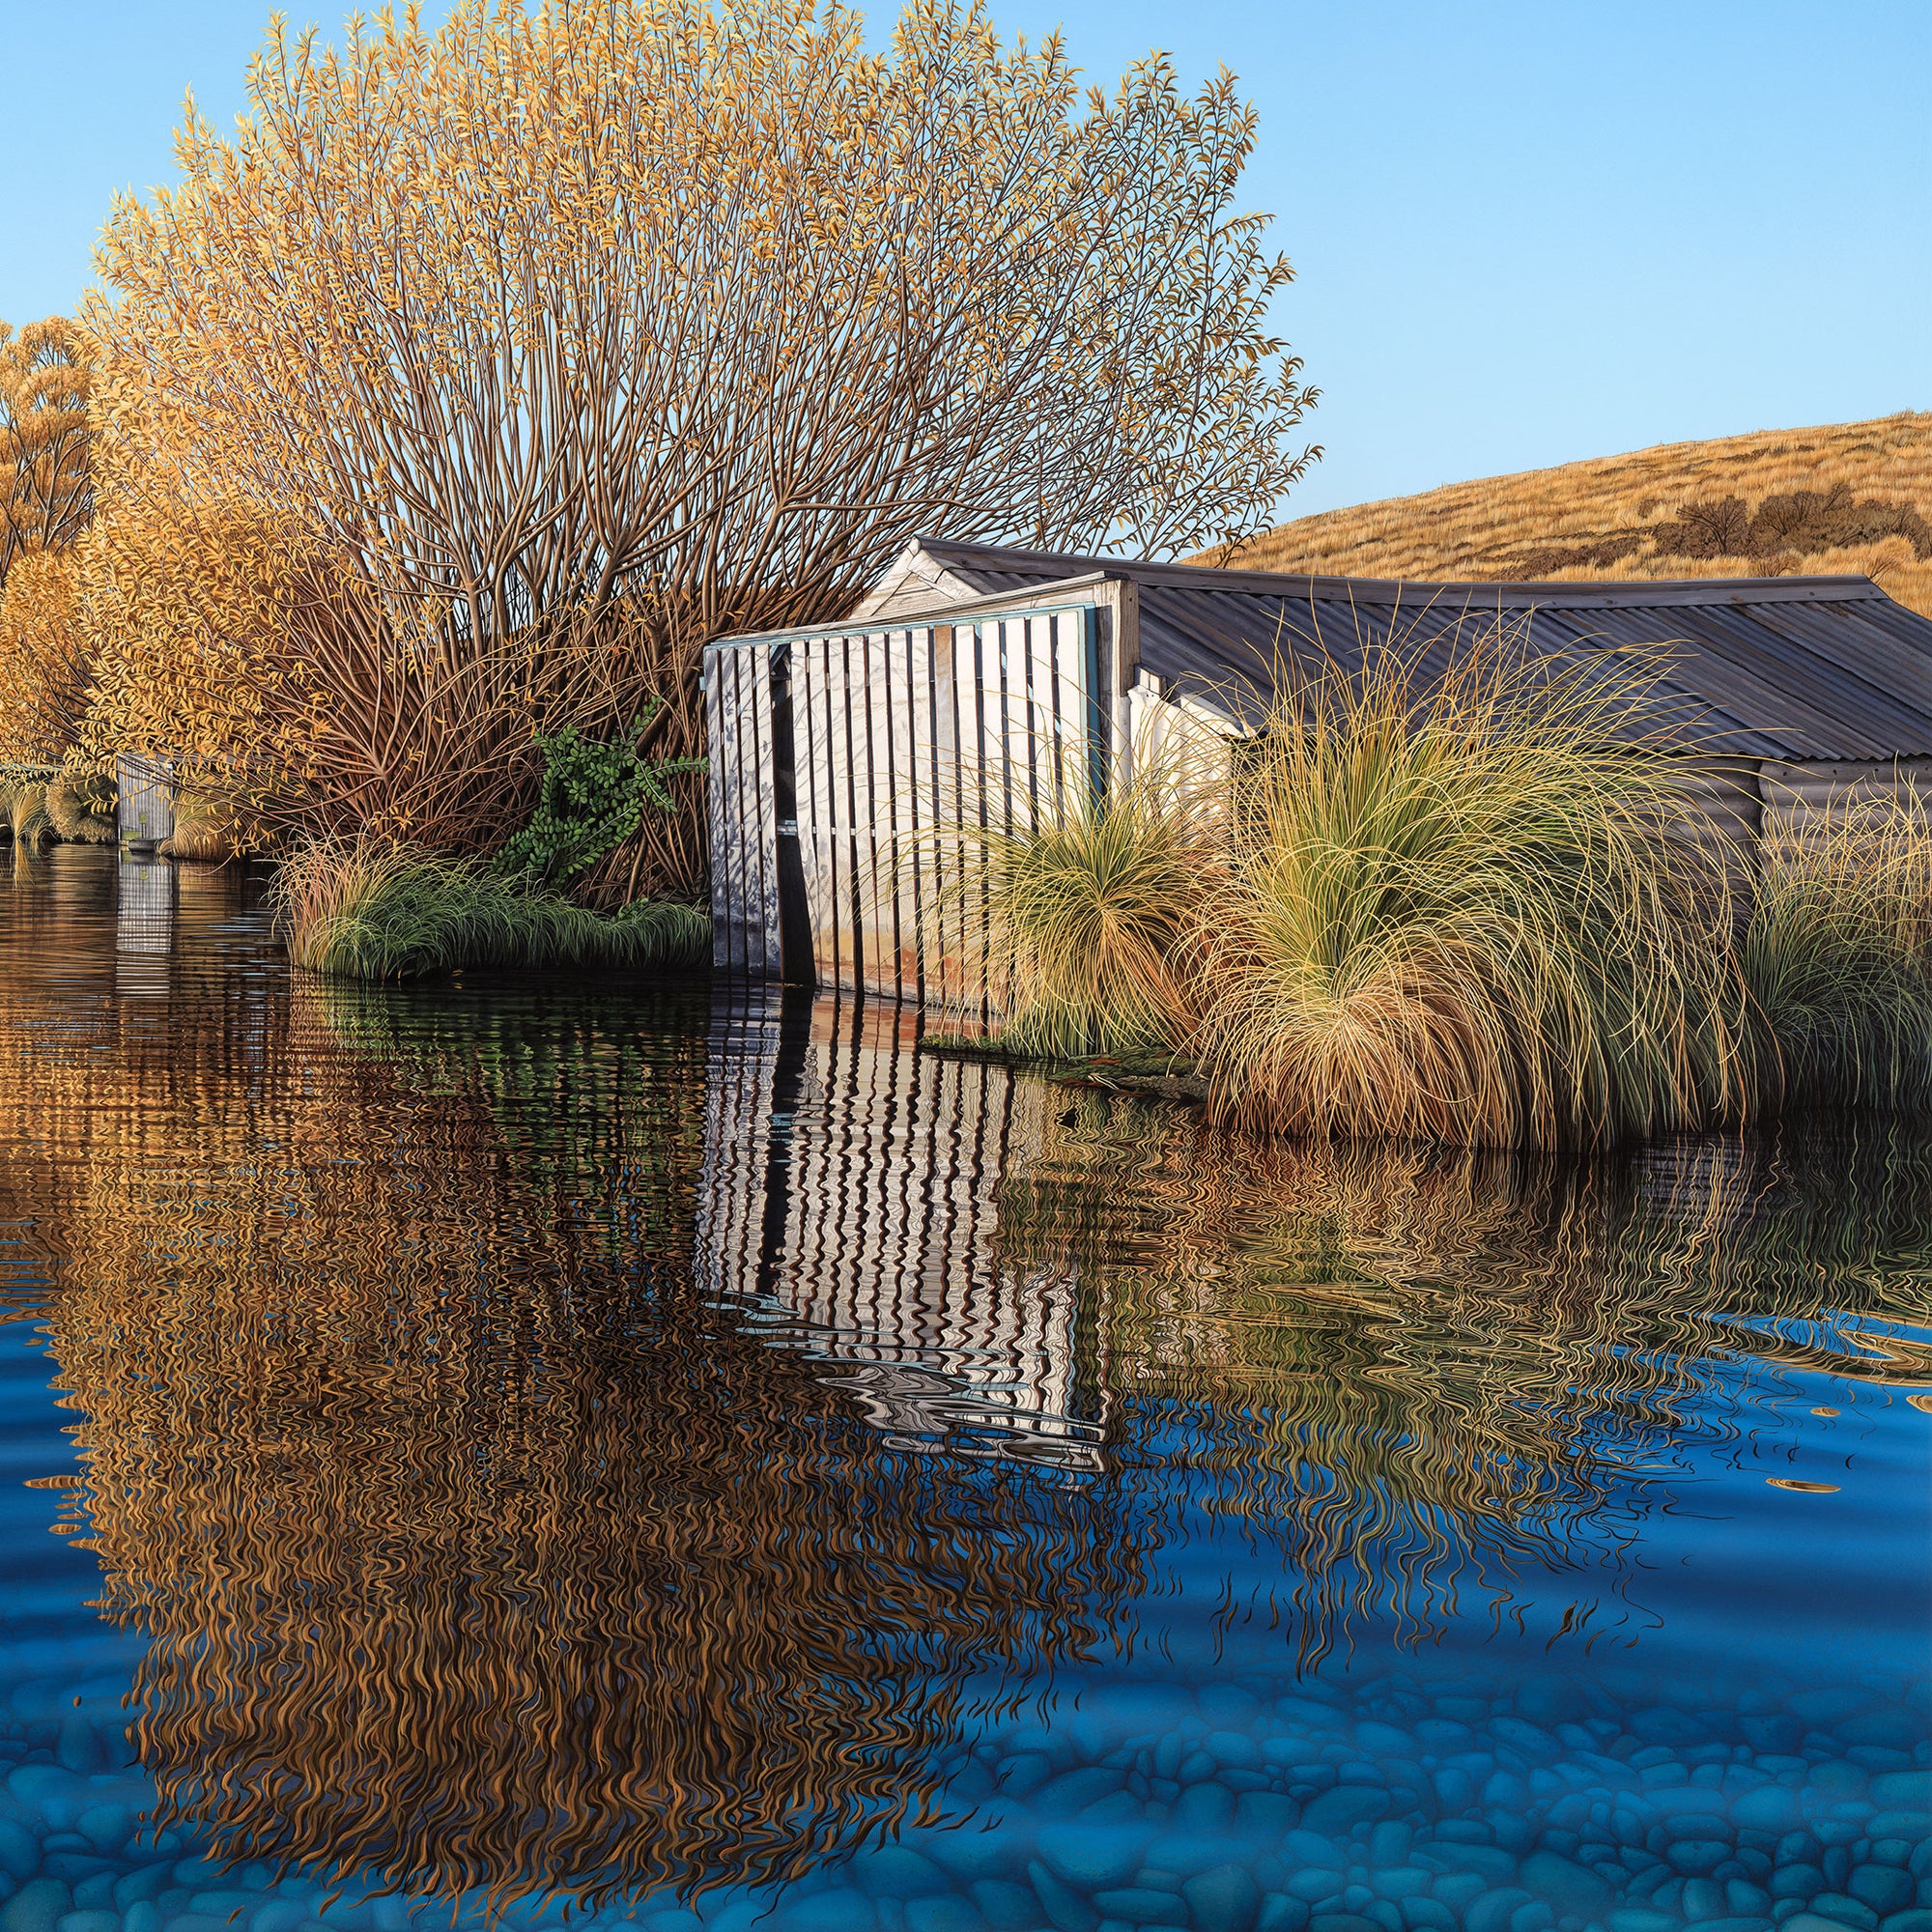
[895, 732]
[942, 797]
[850, 788]
[884, 1264]
[717, 819]
[741, 810]
[892, 726]
[814, 804]
[920, 876]
[764, 799]
[1047, 718]
[992, 775]
[875, 794]
[1081, 722]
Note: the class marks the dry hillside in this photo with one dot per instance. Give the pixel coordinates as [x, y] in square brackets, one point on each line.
[1844, 498]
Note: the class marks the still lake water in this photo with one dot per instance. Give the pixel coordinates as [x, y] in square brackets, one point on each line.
[505, 1452]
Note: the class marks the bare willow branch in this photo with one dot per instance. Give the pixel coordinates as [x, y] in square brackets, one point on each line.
[574, 336]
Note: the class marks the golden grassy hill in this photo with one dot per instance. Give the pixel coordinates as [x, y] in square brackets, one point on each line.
[1843, 498]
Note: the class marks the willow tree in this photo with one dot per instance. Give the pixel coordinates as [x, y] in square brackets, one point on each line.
[639, 322]
[45, 483]
[46, 498]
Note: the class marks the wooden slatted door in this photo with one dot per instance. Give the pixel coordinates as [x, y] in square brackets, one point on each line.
[897, 736]
[145, 799]
[745, 936]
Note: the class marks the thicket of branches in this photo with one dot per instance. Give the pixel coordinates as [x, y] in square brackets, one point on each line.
[46, 498]
[520, 360]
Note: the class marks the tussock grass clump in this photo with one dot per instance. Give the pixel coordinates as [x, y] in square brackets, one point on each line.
[25, 806]
[1453, 910]
[374, 910]
[82, 810]
[1838, 955]
[1092, 915]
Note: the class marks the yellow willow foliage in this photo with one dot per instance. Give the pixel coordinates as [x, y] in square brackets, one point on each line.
[44, 656]
[45, 484]
[293, 697]
[191, 613]
[702, 308]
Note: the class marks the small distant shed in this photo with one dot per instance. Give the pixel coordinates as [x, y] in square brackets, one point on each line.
[977, 672]
[144, 800]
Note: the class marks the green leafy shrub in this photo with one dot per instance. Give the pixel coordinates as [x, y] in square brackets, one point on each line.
[594, 796]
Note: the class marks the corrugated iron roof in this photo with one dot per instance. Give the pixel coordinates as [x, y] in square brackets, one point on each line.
[1798, 668]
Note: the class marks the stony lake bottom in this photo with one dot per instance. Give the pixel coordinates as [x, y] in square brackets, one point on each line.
[514, 1452]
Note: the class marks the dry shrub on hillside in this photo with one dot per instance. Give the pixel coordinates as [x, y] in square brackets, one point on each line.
[1852, 498]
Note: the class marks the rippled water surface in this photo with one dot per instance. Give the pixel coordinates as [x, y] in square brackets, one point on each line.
[521, 1450]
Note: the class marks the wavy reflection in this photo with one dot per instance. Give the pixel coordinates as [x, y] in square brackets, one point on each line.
[477, 1545]
[1418, 1370]
[564, 1441]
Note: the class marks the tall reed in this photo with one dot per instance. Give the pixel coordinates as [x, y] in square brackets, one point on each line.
[374, 910]
[25, 804]
[1453, 909]
[1837, 952]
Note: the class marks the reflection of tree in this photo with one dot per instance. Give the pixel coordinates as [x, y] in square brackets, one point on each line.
[475, 1547]
[1411, 1367]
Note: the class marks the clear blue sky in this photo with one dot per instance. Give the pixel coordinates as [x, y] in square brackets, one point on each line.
[1524, 232]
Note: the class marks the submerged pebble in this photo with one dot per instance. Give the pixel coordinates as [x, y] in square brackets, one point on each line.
[1376, 1806]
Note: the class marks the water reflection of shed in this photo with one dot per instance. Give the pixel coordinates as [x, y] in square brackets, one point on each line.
[848, 1201]
[982, 674]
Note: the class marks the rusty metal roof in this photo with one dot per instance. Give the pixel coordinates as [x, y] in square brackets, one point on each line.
[1787, 668]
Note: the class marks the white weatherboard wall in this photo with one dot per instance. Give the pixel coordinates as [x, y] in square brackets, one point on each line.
[895, 735]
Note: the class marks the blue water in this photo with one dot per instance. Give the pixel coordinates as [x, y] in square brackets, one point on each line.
[496, 1452]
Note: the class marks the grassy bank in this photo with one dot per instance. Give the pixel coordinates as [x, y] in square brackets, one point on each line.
[378, 911]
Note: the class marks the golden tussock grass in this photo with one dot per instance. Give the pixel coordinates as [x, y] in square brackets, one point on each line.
[1838, 954]
[1727, 507]
[1453, 910]
[25, 809]
[1466, 906]
[1089, 915]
